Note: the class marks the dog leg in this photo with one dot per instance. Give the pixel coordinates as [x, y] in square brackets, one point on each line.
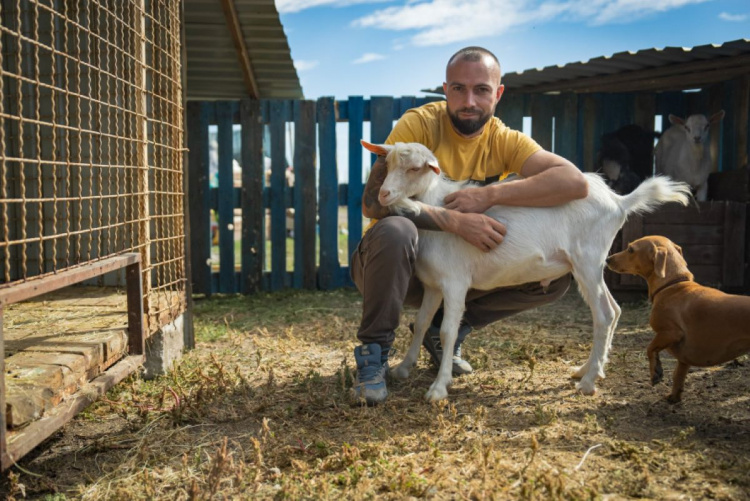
[654, 362]
[662, 341]
[430, 304]
[680, 374]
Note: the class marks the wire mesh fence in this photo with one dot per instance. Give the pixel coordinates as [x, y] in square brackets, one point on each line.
[91, 141]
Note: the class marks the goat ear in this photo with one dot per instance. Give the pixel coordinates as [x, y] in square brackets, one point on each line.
[679, 249]
[717, 117]
[674, 119]
[433, 164]
[660, 262]
[379, 149]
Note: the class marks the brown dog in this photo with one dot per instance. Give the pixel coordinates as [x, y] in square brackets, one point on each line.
[698, 325]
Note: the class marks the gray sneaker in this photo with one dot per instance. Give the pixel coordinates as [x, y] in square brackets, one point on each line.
[431, 342]
[371, 371]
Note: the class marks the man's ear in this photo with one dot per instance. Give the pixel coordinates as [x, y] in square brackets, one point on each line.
[660, 262]
[379, 149]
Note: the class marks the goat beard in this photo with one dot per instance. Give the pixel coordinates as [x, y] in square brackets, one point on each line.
[469, 126]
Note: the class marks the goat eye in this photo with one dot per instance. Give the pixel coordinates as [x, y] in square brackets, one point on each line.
[630, 250]
[415, 169]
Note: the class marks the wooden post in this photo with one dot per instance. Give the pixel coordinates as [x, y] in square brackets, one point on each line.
[305, 201]
[253, 212]
[328, 196]
[198, 197]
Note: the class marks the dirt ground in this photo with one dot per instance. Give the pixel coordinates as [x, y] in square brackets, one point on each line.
[261, 409]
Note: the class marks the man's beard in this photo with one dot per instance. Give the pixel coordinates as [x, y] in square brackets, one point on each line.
[469, 126]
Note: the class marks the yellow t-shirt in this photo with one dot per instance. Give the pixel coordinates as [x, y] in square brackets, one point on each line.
[494, 154]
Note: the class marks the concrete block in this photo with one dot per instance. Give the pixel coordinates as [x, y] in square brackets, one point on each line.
[163, 348]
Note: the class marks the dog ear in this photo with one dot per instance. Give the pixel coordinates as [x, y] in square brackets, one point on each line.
[660, 262]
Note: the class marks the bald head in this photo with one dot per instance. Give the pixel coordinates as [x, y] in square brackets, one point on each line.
[476, 54]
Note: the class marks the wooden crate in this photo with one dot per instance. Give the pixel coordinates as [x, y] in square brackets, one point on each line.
[712, 237]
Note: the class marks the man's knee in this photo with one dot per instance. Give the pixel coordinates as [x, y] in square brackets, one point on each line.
[557, 288]
[395, 232]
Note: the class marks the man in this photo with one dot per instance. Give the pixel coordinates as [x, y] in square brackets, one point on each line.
[469, 143]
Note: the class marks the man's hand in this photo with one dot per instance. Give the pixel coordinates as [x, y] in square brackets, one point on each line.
[479, 230]
[475, 200]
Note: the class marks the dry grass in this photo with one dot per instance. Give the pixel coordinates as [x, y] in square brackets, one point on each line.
[261, 410]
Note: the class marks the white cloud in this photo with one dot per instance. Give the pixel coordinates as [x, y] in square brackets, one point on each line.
[737, 18]
[440, 22]
[302, 65]
[368, 58]
[289, 6]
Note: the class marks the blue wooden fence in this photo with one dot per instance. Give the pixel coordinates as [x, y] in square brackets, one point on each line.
[569, 124]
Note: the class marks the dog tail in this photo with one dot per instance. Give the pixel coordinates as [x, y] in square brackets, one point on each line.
[654, 192]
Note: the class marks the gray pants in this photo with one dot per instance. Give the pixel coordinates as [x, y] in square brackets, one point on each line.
[382, 267]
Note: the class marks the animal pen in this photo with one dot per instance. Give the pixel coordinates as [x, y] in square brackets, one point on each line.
[91, 193]
[565, 109]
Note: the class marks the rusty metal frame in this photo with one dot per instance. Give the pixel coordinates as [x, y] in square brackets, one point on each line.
[39, 430]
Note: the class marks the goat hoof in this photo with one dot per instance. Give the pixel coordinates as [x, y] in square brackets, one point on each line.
[401, 371]
[435, 394]
[586, 388]
[580, 372]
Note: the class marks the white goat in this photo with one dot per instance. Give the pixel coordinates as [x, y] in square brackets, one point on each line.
[683, 152]
[542, 244]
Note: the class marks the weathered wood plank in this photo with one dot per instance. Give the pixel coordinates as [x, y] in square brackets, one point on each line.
[733, 266]
[227, 281]
[541, 120]
[355, 189]
[330, 270]
[305, 201]
[40, 377]
[511, 109]
[711, 213]
[277, 193]
[683, 234]
[20, 443]
[200, 216]
[253, 212]
[566, 128]
[632, 230]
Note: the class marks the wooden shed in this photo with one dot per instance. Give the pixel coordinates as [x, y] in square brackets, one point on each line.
[570, 106]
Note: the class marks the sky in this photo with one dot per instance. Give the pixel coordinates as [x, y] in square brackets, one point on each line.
[367, 48]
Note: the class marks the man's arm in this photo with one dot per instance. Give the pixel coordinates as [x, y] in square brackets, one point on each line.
[546, 180]
[479, 230]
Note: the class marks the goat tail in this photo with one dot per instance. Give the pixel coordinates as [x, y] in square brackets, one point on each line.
[654, 192]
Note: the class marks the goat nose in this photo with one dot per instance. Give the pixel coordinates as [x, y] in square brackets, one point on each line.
[384, 193]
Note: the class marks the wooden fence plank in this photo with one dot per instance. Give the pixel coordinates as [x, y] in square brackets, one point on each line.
[589, 112]
[305, 201]
[198, 191]
[381, 119]
[541, 120]
[742, 120]
[683, 234]
[253, 212]
[566, 127]
[510, 110]
[330, 269]
[354, 193]
[733, 269]
[227, 282]
[278, 194]
[632, 230]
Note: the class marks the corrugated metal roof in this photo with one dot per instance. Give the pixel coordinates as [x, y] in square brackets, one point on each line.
[670, 68]
[215, 65]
